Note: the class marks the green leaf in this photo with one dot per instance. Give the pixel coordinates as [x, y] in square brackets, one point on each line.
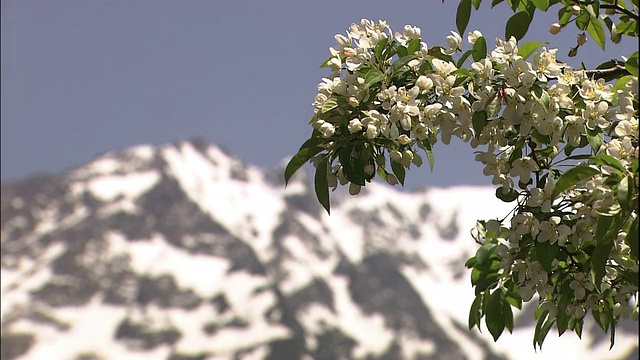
[399, 171]
[632, 64]
[398, 64]
[484, 280]
[541, 4]
[605, 234]
[562, 319]
[476, 274]
[536, 333]
[402, 51]
[621, 83]
[623, 195]
[525, 50]
[518, 25]
[478, 122]
[494, 314]
[355, 176]
[299, 159]
[546, 252]
[495, 2]
[463, 58]
[462, 16]
[363, 159]
[429, 151]
[510, 196]
[476, 3]
[379, 48]
[583, 20]
[372, 77]
[475, 313]
[484, 253]
[508, 316]
[321, 183]
[596, 31]
[613, 30]
[413, 46]
[326, 62]
[564, 15]
[513, 297]
[471, 263]
[628, 27]
[632, 238]
[612, 337]
[596, 141]
[578, 327]
[604, 159]
[607, 64]
[544, 331]
[579, 157]
[479, 49]
[462, 75]
[328, 105]
[571, 177]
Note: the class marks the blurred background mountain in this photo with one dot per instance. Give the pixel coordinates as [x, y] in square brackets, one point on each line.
[182, 251]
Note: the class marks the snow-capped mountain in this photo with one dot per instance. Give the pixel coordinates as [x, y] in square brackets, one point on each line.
[183, 252]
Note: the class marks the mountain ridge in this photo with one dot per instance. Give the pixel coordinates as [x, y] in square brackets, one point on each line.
[184, 252]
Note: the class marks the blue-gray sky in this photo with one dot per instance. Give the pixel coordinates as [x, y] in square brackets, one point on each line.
[80, 78]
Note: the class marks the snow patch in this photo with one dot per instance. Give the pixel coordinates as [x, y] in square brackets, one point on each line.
[110, 187]
[201, 273]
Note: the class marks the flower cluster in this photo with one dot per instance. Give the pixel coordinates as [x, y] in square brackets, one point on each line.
[560, 144]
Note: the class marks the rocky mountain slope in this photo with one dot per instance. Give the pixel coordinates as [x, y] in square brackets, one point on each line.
[183, 252]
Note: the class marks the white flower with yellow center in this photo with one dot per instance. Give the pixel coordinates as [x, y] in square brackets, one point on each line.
[523, 168]
[542, 197]
[553, 231]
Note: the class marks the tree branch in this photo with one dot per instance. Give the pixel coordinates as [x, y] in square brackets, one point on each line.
[620, 9]
[608, 74]
[613, 6]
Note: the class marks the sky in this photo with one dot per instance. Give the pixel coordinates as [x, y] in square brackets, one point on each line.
[81, 78]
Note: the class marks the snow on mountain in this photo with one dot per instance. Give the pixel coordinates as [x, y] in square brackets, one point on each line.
[183, 252]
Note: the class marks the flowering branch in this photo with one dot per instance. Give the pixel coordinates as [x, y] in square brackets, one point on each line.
[572, 237]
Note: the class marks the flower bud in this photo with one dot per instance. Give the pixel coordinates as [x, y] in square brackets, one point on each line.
[327, 130]
[395, 155]
[407, 157]
[354, 125]
[424, 83]
[392, 179]
[417, 160]
[555, 28]
[316, 160]
[407, 154]
[575, 9]
[372, 131]
[353, 102]
[332, 180]
[404, 139]
[473, 36]
[582, 38]
[573, 52]
[343, 179]
[369, 169]
[354, 189]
